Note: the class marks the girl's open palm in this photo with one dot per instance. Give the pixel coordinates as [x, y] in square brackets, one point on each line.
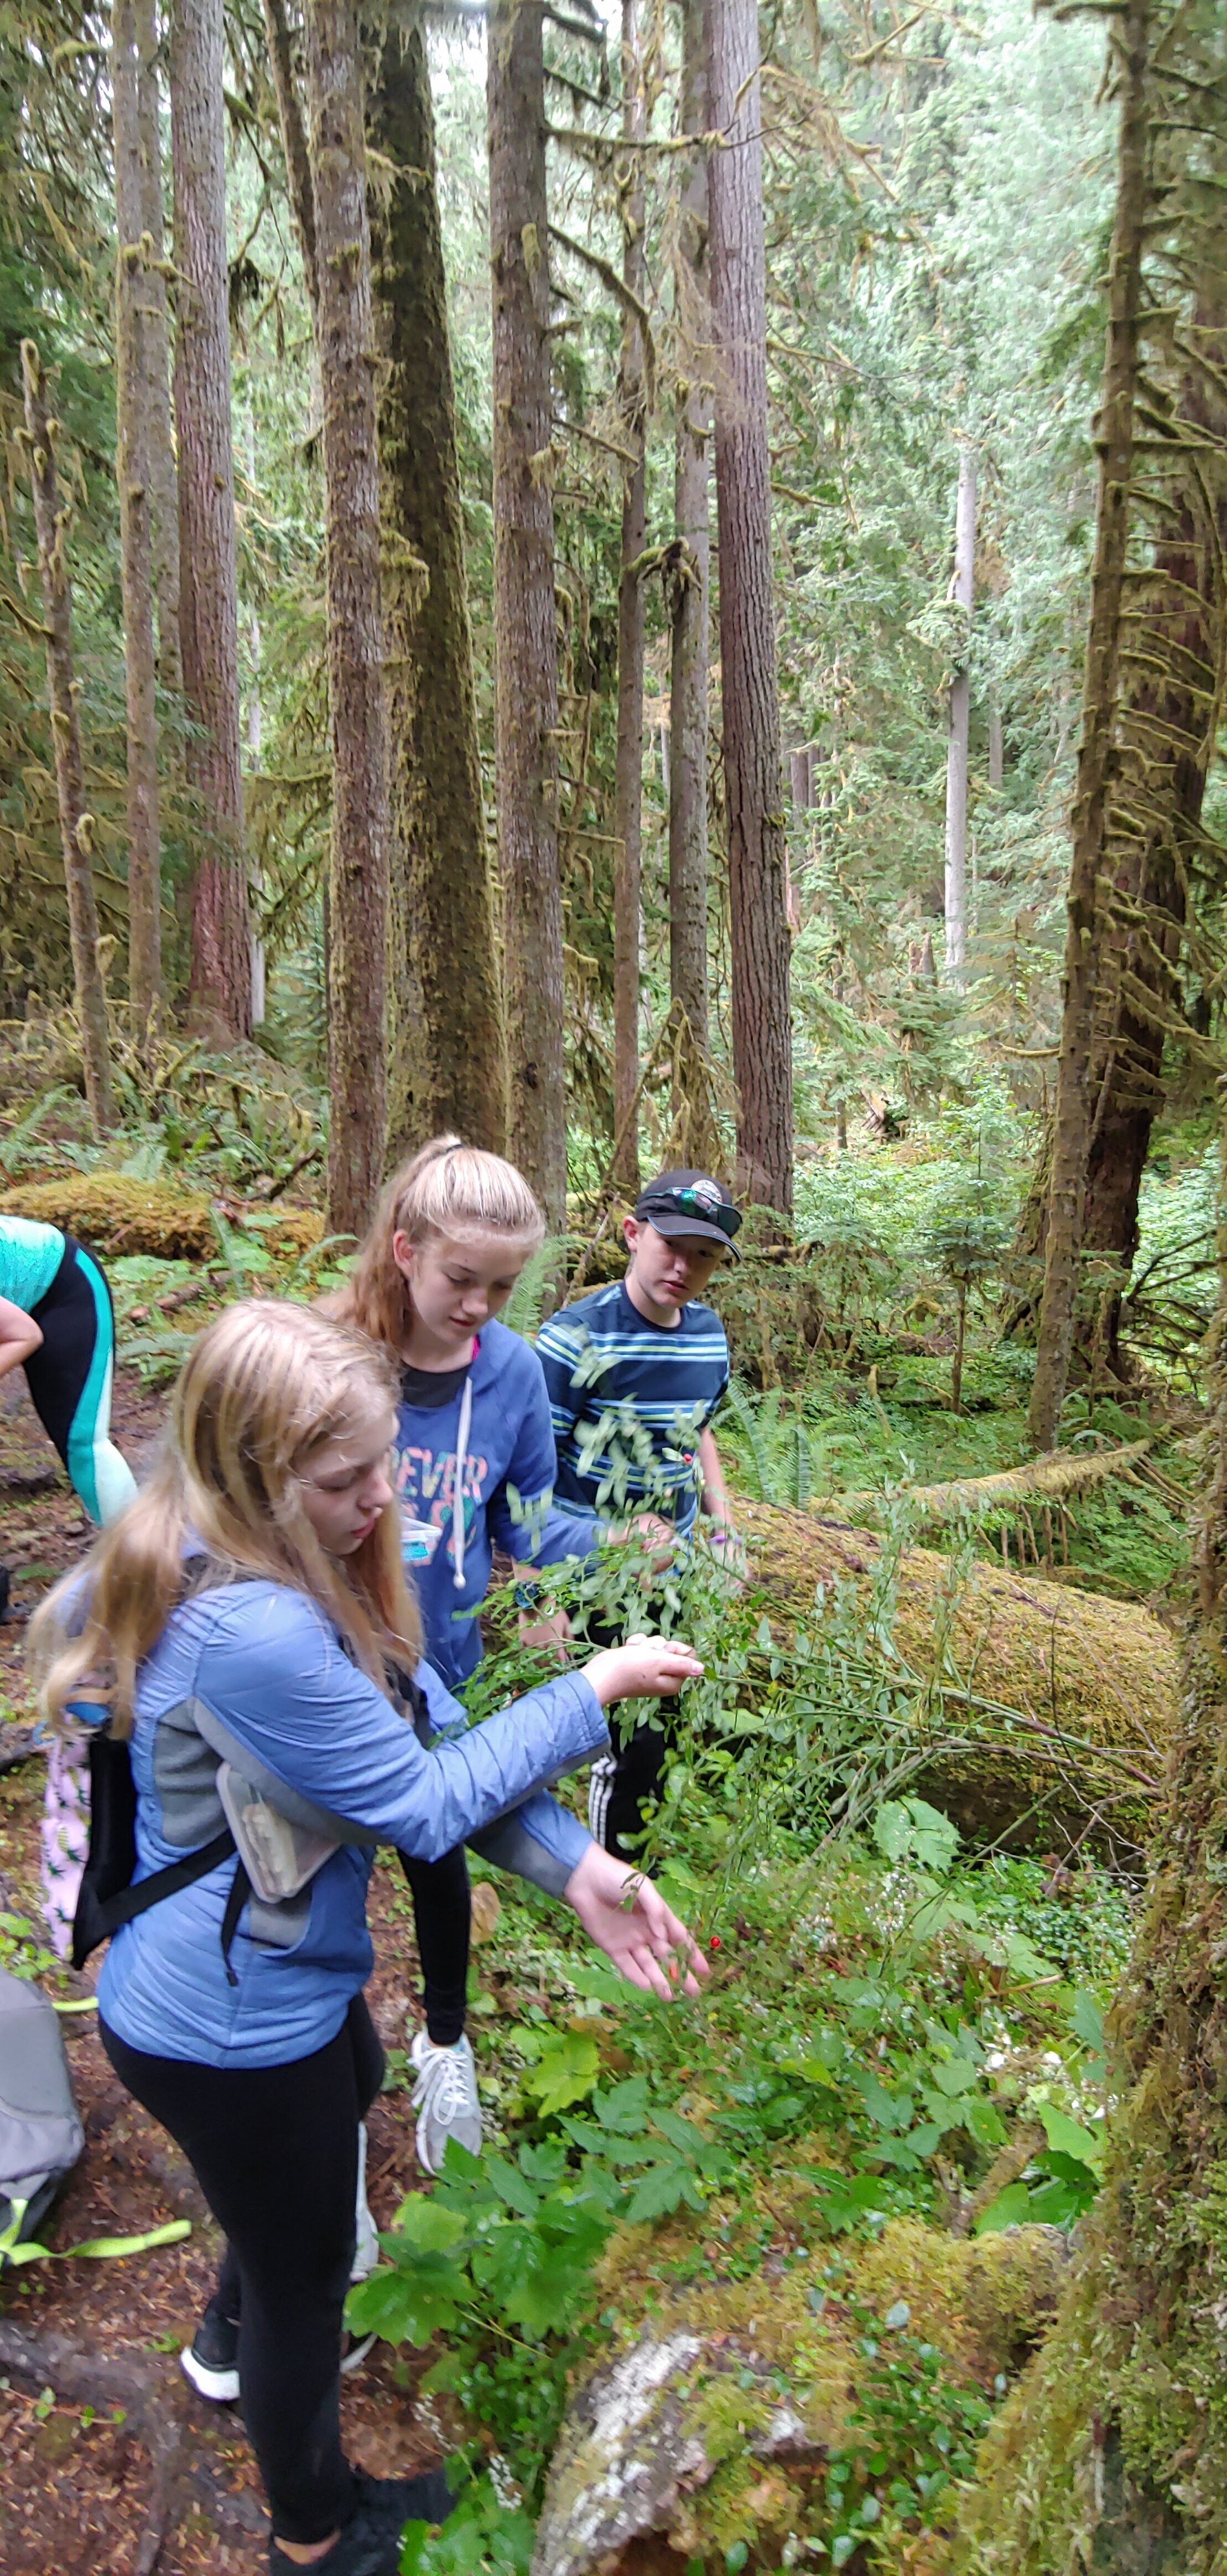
[629, 1920]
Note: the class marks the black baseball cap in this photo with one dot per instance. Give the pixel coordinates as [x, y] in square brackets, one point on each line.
[690, 1203]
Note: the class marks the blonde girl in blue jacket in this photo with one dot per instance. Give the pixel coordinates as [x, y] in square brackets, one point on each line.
[250, 1610]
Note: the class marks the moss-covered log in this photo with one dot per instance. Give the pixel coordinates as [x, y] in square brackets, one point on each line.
[115, 1214]
[684, 2446]
[1074, 1695]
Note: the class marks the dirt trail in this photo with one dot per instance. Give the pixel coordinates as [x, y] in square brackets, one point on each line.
[109, 2463]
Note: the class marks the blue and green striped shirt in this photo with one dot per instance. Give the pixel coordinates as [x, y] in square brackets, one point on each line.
[628, 1400]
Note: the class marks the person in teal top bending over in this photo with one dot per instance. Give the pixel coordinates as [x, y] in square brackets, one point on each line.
[56, 1323]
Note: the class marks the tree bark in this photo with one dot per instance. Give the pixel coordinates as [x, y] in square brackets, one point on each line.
[628, 769]
[1071, 1132]
[447, 1064]
[688, 596]
[758, 917]
[133, 404]
[525, 633]
[358, 871]
[1111, 2452]
[996, 745]
[208, 601]
[293, 139]
[962, 594]
[1169, 720]
[76, 825]
[163, 478]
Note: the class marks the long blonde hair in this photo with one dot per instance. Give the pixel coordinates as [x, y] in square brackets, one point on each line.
[445, 1189]
[266, 1387]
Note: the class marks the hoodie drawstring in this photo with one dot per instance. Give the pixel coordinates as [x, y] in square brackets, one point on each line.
[462, 1451]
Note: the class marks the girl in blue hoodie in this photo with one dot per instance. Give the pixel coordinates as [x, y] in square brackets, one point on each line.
[243, 1624]
[474, 1470]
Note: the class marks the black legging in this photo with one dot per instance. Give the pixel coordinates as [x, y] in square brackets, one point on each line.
[442, 1914]
[275, 2151]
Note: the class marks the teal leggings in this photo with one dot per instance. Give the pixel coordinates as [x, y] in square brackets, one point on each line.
[70, 1382]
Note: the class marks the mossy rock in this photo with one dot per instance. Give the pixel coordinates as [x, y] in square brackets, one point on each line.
[113, 1214]
[712, 2426]
[1085, 1688]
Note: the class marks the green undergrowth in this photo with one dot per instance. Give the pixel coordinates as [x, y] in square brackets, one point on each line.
[891, 2030]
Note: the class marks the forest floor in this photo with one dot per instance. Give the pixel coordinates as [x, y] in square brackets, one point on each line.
[85, 2482]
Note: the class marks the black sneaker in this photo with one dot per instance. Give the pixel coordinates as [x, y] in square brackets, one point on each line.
[427, 2498]
[368, 2546]
[211, 2359]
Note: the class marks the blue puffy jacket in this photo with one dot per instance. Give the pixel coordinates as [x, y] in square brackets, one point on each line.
[263, 1666]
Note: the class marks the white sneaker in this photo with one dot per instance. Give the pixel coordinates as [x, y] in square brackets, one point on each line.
[445, 2099]
[366, 2248]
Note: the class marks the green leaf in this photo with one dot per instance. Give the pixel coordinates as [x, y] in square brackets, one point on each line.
[567, 2068]
[954, 2075]
[1071, 2140]
[1011, 2208]
[1087, 2020]
[513, 2188]
[663, 2188]
[884, 2109]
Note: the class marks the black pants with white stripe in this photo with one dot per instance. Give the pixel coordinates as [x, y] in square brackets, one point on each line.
[623, 1782]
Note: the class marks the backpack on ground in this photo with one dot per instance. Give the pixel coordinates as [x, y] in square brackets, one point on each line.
[40, 2129]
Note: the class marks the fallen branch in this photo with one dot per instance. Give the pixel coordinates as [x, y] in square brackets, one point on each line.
[1049, 1478]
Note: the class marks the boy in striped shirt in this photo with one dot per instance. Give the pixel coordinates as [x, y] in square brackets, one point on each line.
[635, 1372]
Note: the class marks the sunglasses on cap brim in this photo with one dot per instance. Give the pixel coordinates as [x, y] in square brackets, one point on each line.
[688, 1203]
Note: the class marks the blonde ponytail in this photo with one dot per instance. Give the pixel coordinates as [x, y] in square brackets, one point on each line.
[445, 1189]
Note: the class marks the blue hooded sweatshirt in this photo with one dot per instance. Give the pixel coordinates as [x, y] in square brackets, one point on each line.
[500, 1417]
[256, 1672]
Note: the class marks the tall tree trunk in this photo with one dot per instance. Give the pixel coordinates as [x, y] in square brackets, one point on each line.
[962, 594]
[133, 404]
[358, 871]
[447, 1065]
[1111, 2453]
[208, 597]
[689, 600]
[758, 915]
[1071, 1133]
[996, 743]
[163, 479]
[280, 43]
[628, 774]
[525, 631]
[1169, 721]
[76, 825]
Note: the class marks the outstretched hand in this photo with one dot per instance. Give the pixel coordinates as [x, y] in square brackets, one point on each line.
[644, 1668]
[629, 1920]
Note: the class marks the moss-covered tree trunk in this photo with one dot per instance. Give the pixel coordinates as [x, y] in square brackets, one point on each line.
[525, 626]
[134, 397]
[208, 579]
[446, 1064]
[163, 478]
[358, 861]
[1112, 2453]
[759, 936]
[688, 596]
[962, 593]
[51, 518]
[1072, 1124]
[628, 772]
[1175, 668]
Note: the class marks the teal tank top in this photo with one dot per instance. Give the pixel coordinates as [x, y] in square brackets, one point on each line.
[30, 1256]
